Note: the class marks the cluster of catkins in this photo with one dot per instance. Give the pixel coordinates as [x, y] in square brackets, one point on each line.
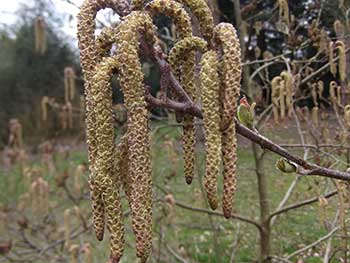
[127, 165]
[282, 96]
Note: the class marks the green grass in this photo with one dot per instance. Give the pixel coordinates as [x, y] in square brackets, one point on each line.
[197, 237]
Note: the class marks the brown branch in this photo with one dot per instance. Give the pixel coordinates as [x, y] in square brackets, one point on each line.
[300, 204]
[189, 107]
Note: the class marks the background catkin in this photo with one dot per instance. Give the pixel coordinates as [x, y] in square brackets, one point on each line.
[225, 36]
[347, 116]
[182, 59]
[69, 84]
[275, 94]
[44, 105]
[210, 96]
[40, 35]
[340, 46]
[332, 63]
[288, 81]
[139, 170]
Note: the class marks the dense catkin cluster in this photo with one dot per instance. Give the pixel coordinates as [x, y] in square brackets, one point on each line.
[127, 165]
[226, 37]
[90, 57]
[185, 73]
[40, 35]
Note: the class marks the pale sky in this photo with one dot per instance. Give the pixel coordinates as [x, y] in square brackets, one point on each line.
[8, 7]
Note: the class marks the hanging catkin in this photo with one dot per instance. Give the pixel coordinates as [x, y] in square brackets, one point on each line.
[275, 96]
[210, 84]
[202, 12]
[182, 59]
[131, 81]
[102, 91]
[69, 84]
[89, 57]
[40, 35]
[332, 63]
[185, 73]
[44, 105]
[288, 81]
[340, 46]
[225, 36]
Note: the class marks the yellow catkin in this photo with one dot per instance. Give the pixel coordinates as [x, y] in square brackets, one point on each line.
[40, 35]
[63, 115]
[70, 115]
[288, 81]
[39, 190]
[79, 178]
[139, 162]
[102, 91]
[89, 57]
[210, 84]
[74, 253]
[332, 63]
[315, 116]
[340, 46]
[202, 12]
[339, 99]
[182, 59]
[87, 250]
[44, 106]
[347, 116]
[282, 100]
[338, 28]
[66, 227]
[333, 87]
[275, 95]
[225, 36]
[284, 11]
[175, 11]
[320, 88]
[314, 94]
[121, 166]
[138, 4]
[69, 84]
[105, 40]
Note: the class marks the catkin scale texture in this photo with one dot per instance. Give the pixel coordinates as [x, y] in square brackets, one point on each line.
[182, 59]
[175, 11]
[225, 36]
[101, 91]
[139, 170]
[89, 58]
[210, 84]
[203, 14]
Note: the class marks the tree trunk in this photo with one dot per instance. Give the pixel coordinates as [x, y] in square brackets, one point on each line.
[265, 232]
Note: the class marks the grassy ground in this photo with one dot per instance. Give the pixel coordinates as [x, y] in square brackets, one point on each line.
[194, 235]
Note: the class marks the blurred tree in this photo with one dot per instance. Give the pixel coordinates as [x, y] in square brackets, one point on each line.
[27, 76]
